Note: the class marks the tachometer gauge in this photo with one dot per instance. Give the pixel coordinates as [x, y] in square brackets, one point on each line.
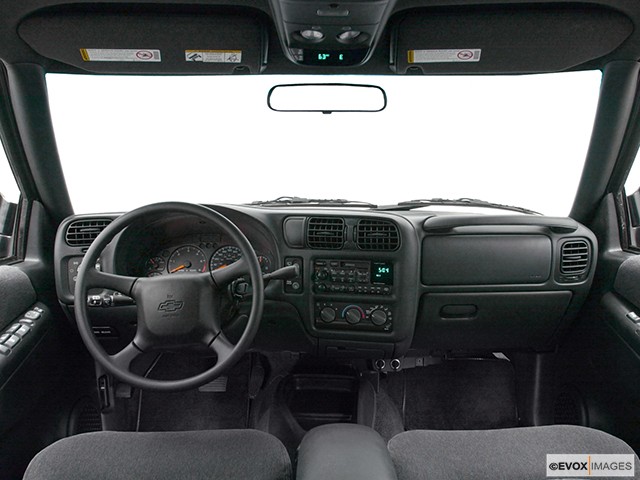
[187, 259]
[224, 256]
[155, 265]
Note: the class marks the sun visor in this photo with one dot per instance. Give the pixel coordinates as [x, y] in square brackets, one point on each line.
[151, 42]
[499, 40]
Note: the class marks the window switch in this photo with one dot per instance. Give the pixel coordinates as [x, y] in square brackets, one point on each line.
[4, 350]
[22, 331]
[634, 317]
[12, 341]
[13, 328]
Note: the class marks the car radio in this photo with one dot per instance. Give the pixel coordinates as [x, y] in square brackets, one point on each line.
[361, 277]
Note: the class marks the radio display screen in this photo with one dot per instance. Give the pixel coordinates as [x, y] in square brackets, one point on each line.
[382, 273]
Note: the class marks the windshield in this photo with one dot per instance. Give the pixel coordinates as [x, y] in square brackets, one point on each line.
[125, 141]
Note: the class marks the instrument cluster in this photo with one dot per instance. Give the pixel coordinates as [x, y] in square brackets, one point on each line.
[198, 256]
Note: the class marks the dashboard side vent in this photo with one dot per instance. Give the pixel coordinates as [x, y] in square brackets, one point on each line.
[574, 258]
[325, 232]
[377, 235]
[82, 233]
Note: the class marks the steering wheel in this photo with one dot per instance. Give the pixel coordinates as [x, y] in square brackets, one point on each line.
[175, 312]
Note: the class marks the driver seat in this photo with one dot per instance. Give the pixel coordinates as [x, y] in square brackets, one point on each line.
[195, 455]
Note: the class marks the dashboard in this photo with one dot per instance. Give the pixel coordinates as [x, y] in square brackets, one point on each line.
[371, 284]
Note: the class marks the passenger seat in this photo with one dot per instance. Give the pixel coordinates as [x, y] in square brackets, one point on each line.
[514, 453]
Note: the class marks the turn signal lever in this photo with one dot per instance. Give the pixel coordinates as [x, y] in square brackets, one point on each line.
[284, 273]
[242, 288]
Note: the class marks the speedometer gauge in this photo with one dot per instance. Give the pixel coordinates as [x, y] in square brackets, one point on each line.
[224, 256]
[187, 259]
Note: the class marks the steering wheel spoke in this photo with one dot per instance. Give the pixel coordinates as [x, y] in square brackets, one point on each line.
[119, 283]
[222, 347]
[124, 357]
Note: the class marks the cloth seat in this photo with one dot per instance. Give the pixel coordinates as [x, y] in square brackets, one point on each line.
[216, 454]
[514, 453]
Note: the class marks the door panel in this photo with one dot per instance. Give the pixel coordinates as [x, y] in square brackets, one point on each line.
[43, 371]
[599, 363]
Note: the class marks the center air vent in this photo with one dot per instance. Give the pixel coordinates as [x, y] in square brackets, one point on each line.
[377, 235]
[82, 233]
[326, 233]
[575, 258]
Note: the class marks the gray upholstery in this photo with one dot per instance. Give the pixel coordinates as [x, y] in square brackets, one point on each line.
[16, 294]
[515, 453]
[348, 451]
[626, 283]
[218, 454]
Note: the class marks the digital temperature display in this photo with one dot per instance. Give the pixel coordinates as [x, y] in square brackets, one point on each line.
[332, 57]
[382, 272]
[326, 57]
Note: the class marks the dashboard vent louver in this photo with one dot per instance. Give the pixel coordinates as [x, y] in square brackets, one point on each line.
[575, 257]
[377, 235]
[326, 233]
[82, 233]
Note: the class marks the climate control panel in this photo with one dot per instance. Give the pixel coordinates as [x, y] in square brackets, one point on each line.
[351, 316]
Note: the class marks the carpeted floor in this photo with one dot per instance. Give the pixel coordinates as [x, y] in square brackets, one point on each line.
[195, 409]
[460, 394]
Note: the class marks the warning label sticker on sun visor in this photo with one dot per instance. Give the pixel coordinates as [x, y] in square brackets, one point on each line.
[213, 56]
[120, 55]
[444, 56]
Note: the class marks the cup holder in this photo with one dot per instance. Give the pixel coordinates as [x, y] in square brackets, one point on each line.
[318, 399]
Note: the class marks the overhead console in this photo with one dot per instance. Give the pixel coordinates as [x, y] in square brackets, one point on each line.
[320, 33]
[501, 282]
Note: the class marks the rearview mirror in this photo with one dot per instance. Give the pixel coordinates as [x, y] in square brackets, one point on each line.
[326, 98]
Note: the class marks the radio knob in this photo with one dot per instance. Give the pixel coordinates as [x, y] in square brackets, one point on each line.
[327, 314]
[353, 315]
[378, 317]
[322, 275]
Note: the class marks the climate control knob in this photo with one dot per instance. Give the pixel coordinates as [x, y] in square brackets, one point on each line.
[327, 314]
[353, 315]
[378, 317]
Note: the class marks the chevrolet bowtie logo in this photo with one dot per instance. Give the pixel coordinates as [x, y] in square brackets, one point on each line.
[170, 306]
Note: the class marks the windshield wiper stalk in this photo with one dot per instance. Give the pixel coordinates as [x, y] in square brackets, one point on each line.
[464, 202]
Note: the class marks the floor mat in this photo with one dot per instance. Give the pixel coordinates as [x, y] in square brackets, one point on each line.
[460, 394]
[195, 409]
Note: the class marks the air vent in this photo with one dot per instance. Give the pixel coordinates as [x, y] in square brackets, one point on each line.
[82, 233]
[326, 233]
[377, 235]
[575, 258]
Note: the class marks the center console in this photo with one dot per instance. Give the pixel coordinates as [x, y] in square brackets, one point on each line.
[344, 451]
